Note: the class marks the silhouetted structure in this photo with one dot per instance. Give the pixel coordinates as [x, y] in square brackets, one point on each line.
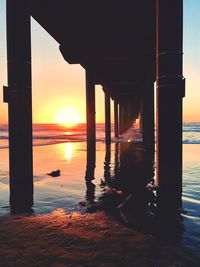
[123, 46]
[18, 95]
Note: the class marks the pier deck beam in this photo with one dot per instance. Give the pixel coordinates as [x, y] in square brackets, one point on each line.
[107, 118]
[170, 90]
[18, 96]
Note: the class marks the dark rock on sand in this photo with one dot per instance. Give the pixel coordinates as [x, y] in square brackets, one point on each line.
[54, 173]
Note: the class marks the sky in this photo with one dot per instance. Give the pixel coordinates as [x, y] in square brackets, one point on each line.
[59, 88]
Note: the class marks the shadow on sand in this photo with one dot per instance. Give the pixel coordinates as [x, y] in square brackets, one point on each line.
[129, 193]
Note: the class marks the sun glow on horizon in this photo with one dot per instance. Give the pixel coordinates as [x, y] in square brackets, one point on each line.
[68, 116]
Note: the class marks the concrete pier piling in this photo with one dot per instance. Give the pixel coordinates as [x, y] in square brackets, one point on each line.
[90, 112]
[170, 91]
[18, 96]
[116, 119]
[107, 118]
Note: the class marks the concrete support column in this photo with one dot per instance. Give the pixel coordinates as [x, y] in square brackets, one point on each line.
[91, 121]
[141, 118]
[107, 118]
[129, 116]
[124, 119]
[148, 116]
[18, 96]
[116, 119]
[170, 90]
[121, 117]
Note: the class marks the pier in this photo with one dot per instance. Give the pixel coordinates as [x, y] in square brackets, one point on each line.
[129, 49]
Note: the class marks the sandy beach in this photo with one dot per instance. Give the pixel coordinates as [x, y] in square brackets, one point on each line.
[60, 232]
[60, 240]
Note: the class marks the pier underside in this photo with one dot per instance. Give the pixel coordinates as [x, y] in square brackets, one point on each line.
[125, 48]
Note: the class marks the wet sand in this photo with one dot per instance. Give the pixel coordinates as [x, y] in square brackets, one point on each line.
[56, 235]
[58, 240]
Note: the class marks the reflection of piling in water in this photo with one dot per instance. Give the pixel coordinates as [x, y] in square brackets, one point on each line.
[90, 192]
[143, 208]
[91, 163]
[169, 201]
[107, 174]
[116, 164]
[128, 188]
[89, 174]
[168, 221]
[136, 168]
[90, 168]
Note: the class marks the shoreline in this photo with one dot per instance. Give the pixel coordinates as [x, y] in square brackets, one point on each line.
[59, 240]
[66, 191]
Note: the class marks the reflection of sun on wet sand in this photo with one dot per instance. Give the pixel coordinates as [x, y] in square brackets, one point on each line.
[58, 240]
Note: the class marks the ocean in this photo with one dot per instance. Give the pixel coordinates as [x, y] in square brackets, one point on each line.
[64, 148]
[46, 134]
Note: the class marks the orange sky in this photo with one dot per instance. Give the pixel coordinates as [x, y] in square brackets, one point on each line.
[58, 86]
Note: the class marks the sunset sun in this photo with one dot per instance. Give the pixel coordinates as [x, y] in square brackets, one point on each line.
[68, 116]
